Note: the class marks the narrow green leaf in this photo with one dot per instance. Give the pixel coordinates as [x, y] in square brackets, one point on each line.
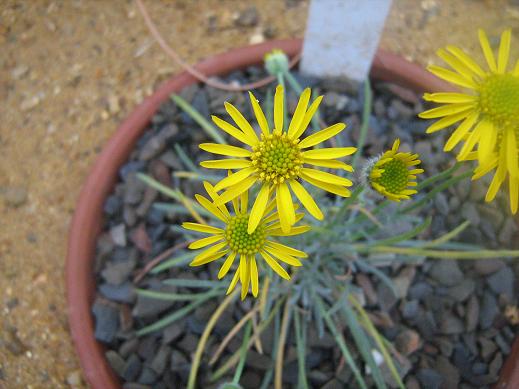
[187, 283]
[243, 353]
[169, 296]
[173, 262]
[177, 315]
[301, 349]
[197, 117]
[402, 237]
[185, 159]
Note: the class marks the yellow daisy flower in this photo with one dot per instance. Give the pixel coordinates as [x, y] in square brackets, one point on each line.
[394, 172]
[233, 242]
[276, 159]
[488, 111]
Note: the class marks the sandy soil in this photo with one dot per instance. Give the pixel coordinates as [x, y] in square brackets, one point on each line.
[70, 71]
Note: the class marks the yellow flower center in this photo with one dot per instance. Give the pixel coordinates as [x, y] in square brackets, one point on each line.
[239, 240]
[277, 158]
[499, 98]
[395, 176]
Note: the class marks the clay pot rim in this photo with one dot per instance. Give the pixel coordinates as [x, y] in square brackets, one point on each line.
[87, 219]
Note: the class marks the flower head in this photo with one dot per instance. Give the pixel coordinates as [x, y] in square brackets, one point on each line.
[276, 61]
[276, 159]
[488, 111]
[234, 243]
[394, 173]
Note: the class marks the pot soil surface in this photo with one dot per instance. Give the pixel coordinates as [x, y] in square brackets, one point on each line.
[448, 319]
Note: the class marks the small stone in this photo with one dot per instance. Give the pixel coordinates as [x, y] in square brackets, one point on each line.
[508, 231]
[258, 361]
[172, 332]
[407, 342]
[19, 72]
[147, 306]
[470, 213]
[132, 368]
[386, 297]
[487, 348]
[412, 383]
[495, 366]
[188, 343]
[116, 361]
[14, 196]
[74, 378]
[430, 378]
[410, 310]
[249, 17]
[502, 282]
[488, 311]
[112, 205]
[333, 384]
[472, 313]
[106, 321]
[462, 291]
[141, 239]
[250, 379]
[450, 374]
[117, 273]
[118, 234]
[123, 293]
[446, 272]
[403, 281]
[113, 104]
[442, 204]
[29, 103]
[178, 361]
[147, 376]
[488, 266]
[128, 347]
[147, 347]
[159, 362]
[450, 324]
[367, 287]
[133, 189]
[420, 291]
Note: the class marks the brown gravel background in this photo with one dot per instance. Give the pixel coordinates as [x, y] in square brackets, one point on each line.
[69, 72]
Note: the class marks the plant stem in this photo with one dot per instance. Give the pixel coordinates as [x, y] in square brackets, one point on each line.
[243, 353]
[278, 375]
[366, 113]
[203, 340]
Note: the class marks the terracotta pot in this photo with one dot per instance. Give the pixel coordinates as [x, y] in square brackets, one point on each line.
[87, 220]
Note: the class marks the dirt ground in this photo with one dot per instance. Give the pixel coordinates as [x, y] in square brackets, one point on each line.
[69, 72]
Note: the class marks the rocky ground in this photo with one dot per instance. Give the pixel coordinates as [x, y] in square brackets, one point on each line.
[70, 71]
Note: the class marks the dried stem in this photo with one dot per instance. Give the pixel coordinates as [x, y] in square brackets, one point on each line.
[155, 261]
[195, 73]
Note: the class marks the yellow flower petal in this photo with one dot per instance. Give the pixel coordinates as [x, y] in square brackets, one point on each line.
[469, 144]
[235, 190]
[326, 177]
[234, 178]
[254, 277]
[210, 207]
[209, 255]
[284, 257]
[329, 153]
[456, 64]
[307, 200]
[494, 186]
[260, 116]
[487, 51]
[335, 189]
[299, 113]
[504, 50]
[230, 163]
[244, 202]
[242, 123]
[449, 97]
[511, 153]
[308, 117]
[258, 209]
[487, 143]
[445, 110]
[298, 230]
[198, 244]
[285, 207]
[226, 265]
[231, 151]
[201, 228]
[214, 196]
[448, 121]
[286, 249]
[329, 163]
[451, 77]
[233, 131]
[278, 110]
[275, 265]
[321, 136]
[469, 62]
[513, 184]
[234, 281]
[460, 133]
[244, 275]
